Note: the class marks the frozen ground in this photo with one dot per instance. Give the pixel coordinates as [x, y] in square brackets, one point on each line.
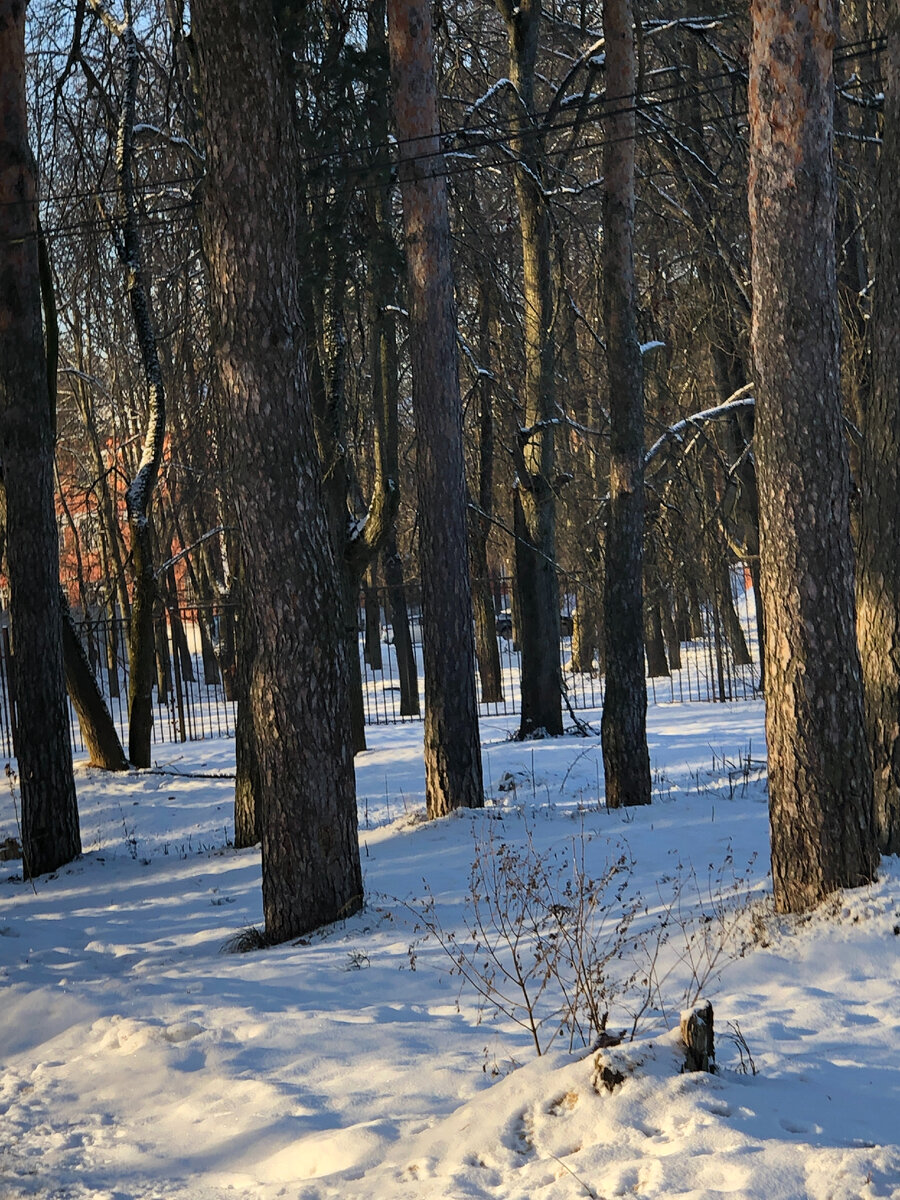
[139, 1060]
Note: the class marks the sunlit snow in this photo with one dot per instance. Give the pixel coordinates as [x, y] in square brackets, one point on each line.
[140, 1061]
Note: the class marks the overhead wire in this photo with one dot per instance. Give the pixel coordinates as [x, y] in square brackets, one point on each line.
[862, 48]
[497, 141]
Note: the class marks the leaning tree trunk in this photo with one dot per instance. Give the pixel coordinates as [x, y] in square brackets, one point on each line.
[820, 780]
[50, 835]
[626, 760]
[452, 750]
[878, 569]
[97, 728]
[298, 673]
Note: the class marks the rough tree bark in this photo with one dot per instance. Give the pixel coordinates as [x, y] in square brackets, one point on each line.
[452, 750]
[626, 760]
[298, 672]
[50, 835]
[878, 564]
[534, 497]
[820, 780]
[487, 649]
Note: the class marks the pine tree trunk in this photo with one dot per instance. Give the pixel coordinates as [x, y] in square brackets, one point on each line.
[403, 644]
[878, 568]
[50, 835]
[657, 663]
[452, 749]
[486, 646]
[537, 583]
[373, 625]
[820, 781]
[626, 760]
[298, 673]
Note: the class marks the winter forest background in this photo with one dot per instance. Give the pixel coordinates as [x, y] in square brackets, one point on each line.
[454, 449]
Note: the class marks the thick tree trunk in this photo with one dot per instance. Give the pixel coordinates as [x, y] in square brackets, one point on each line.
[626, 760]
[452, 750]
[298, 673]
[50, 835]
[820, 780]
[878, 570]
[537, 581]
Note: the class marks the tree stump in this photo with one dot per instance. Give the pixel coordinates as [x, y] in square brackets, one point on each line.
[697, 1035]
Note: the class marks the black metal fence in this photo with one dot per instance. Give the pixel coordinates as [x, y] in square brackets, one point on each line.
[196, 652]
[717, 660]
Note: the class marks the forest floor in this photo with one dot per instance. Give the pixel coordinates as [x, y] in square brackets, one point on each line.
[142, 1060]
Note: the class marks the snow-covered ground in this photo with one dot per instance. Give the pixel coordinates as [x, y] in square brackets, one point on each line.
[139, 1060]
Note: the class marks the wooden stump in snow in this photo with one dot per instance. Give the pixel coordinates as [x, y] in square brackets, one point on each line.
[697, 1035]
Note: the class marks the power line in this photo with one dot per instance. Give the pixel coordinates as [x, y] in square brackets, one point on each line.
[863, 48]
[454, 169]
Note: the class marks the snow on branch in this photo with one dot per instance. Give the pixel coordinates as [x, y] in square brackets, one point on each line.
[493, 91]
[144, 132]
[741, 401]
